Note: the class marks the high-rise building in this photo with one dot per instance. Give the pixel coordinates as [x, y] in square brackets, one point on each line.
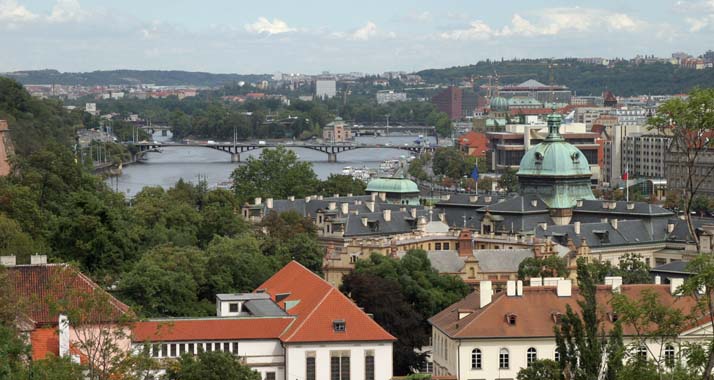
[325, 88]
[450, 101]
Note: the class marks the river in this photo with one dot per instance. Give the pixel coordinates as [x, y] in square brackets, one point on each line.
[188, 163]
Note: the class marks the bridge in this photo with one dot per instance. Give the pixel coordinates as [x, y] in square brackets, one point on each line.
[155, 128]
[235, 149]
[397, 130]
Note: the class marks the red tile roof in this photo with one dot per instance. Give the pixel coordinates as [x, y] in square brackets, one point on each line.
[38, 286]
[535, 311]
[476, 141]
[210, 329]
[317, 304]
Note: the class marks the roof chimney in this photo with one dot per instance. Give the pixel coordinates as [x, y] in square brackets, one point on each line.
[551, 281]
[565, 288]
[336, 195]
[413, 211]
[670, 228]
[331, 206]
[291, 198]
[615, 282]
[349, 194]
[383, 197]
[373, 196]
[674, 285]
[344, 207]
[536, 281]
[370, 205]
[579, 203]
[308, 199]
[269, 203]
[534, 202]
[519, 288]
[387, 214]
[485, 293]
[614, 223]
[258, 201]
[576, 227]
[473, 198]
[319, 197]
[604, 204]
[487, 199]
[630, 205]
[511, 288]
[364, 221]
[8, 261]
[658, 280]
[38, 259]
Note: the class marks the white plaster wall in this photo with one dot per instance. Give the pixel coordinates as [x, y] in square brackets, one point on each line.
[296, 354]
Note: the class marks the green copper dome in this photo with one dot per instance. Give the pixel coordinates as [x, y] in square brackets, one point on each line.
[392, 185]
[499, 104]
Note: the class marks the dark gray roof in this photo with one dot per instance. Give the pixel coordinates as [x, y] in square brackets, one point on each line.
[263, 308]
[522, 205]
[681, 230]
[621, 208]
[501, 260]
[673, 267]
[470, 200]
[400, 222]
[628, 232]
[241, 296]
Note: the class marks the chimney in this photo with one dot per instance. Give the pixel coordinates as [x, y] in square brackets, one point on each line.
[551, 281]
[413, 211]
[466, 244]
[383, 197]
[534, 202]
[613, 205]
[511, 288]
[576, 227]
[630, 205]
[670, 228]
[658, 280]
[364, 221]
[63, 333]
[269, 203]
[8, 261]
[614, 223]
[291, 198]
[370, 205]
[38, 259]
[674, 284]
[331, 206]
[544, 226]
[319, 197]
[374, 196]
[487, 199]
[485, 293]
[565, 288]
[349, 194]
[473, 198]
[615, 282]
[258, 201]
[308, 199]
[579, 203]
[519, 288]
[387, 214]
[336, 195]
[345, 208]
[604, 204]
[536, 281]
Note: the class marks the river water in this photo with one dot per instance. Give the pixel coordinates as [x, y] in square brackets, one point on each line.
[188, 163]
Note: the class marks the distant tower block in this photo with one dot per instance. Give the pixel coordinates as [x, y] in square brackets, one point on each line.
[4, 148]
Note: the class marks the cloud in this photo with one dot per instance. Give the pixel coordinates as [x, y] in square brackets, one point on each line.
[549, 22]
[365, 33]
[265, 26]
[417, 16]
[12, 12]
[67, 11]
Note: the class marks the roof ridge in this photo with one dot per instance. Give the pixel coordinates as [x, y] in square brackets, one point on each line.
[480, 311]
[307, 317]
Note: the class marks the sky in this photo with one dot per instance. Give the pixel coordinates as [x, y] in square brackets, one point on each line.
[312, 36]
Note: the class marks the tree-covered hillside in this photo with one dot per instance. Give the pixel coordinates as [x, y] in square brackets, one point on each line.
[128, 77]
[623, 78]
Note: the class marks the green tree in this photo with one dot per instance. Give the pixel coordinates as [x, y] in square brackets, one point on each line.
[550, 266]
[341, 184]
[633, 269]
[210, 366]
[702, 280]
[13, 353]
[544, 369]
[237, 265]
[452, 163]
[14, 241]
[56, 368]
[509, 181]
[276, 174]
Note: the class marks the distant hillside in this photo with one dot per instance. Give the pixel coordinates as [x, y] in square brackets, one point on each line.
[118, 77]
[624, 78]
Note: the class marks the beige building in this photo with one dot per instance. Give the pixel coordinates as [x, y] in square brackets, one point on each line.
[337, 131]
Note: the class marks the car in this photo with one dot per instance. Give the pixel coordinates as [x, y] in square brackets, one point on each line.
[261, 142]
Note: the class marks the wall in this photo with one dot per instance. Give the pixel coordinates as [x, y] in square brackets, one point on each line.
[296, 354]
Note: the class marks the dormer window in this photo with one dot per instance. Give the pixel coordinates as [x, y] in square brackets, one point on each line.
[557, 316]
[233, 307]
[613, 317]
[575, 157]
[339, 325]
[539, 157]
[511, 319]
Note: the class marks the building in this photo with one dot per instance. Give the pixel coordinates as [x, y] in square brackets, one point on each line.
[538, 91]
[473, 144]
[492, 336]
[449, 101]
[295, 325]
[388, 96]
[336, 131]
[643, 154]
[677, 171]
[325, 88]
[613, 166]
[631, 116]
[5, 148]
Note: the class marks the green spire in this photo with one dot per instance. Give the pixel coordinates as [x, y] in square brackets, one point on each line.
[554, 121]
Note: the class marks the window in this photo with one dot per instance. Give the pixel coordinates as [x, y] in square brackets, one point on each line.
[642, 352]
[233, 307]
[226, 347]
[235, 348]
[156, 351]
[669, 355]
[511, 319]
[181, 349]
[437, 246]
[164, 350]
[503, 359]
[340, 365]
[369, 365]
[476, 359]
[353, 259]
[531, 356]
[190, 349]
[310, 366]
[557, 355]
[270, 376]
[446, 246]
[339, 325]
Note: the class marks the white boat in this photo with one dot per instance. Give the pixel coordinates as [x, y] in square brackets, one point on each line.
[347, 170]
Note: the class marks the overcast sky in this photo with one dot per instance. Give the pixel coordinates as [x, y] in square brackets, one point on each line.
[311, 36]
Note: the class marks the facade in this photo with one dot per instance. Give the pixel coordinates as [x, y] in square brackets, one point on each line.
[337, 131]
[631, 116]
[449, 101]
[295, 325]
[676, 170]
[388, 96]
[491, 335]
[325, 88]
[644, 155]
[4, 148]
[538, 91]
[613, 166]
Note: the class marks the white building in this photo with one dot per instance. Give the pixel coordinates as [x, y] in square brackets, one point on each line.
[294, 326]
[493, 336]
[644, 155]
[388, 96]
[325, 88]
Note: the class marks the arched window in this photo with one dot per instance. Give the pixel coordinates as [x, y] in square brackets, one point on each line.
[669, 355]
[531, 356]
[476, 359]
[557, 355]
[503, 359]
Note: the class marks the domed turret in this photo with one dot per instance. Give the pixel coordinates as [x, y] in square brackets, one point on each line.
[499, 104]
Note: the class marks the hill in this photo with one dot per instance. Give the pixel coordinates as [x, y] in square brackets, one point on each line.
[623, 78]
[128, 77]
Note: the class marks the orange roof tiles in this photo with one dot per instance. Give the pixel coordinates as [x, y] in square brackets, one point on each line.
[44, 341]
[318, 305]
[210, 329]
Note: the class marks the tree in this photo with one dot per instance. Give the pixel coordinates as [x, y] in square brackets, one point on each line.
[690, 123]
[633, 269]
[485, 183]
[56, 368]
[509, 181]
[278, 173]
[703, 279]
[341, 184]
[580, 338]
[210, 366]
[452, 163]
[13, 353]
[550, 266]
[543, 369]
[237, 265]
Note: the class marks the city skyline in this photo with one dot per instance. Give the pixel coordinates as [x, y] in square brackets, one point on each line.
[282, 36]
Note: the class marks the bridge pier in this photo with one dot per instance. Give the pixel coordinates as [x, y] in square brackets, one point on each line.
[235, 157]
[331, 157]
